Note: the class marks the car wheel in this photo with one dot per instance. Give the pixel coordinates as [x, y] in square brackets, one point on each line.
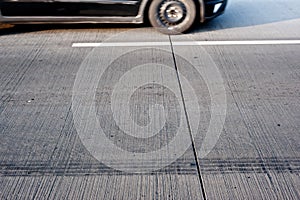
[172, 16]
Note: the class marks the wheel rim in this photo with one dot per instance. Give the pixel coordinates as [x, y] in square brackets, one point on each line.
[172, 12]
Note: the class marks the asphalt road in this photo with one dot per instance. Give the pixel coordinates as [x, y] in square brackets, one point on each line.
[148, 116]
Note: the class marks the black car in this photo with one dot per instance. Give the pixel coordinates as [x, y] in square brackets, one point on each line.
[171, 15]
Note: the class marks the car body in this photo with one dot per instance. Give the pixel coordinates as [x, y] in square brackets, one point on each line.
[106, 11]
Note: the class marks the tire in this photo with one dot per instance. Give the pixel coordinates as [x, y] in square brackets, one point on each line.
[172, 16]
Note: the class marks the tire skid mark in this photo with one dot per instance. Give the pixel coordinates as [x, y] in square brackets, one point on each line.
[243, 165]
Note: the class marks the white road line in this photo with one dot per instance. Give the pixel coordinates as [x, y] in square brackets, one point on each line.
[189, 43]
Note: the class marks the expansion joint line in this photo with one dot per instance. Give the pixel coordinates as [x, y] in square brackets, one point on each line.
[188, 123]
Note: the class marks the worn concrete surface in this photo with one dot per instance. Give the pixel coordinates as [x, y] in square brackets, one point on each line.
[256, 156]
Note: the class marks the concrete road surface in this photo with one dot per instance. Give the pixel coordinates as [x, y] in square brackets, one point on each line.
[124, 112]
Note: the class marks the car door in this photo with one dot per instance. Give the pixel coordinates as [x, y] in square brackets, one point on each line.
[76, 8]
[107, 8]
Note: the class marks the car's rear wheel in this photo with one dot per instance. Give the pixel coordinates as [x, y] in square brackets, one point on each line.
[172, 16]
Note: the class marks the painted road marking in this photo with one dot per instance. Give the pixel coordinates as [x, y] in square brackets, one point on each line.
[190, 43]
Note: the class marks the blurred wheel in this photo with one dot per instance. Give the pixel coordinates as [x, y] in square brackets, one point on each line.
[172, 16]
